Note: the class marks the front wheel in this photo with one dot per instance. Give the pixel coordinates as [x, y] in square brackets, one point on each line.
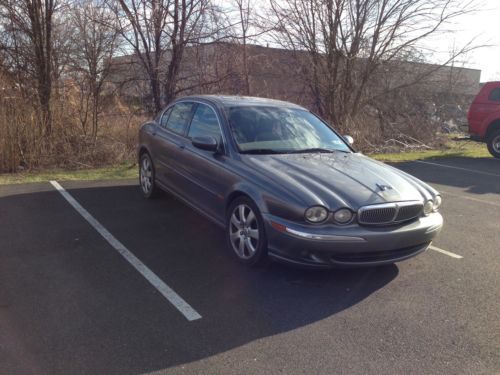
[494, 144]
[245, 232]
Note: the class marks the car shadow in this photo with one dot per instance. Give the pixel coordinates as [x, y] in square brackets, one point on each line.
[487, 181]
[238, 304]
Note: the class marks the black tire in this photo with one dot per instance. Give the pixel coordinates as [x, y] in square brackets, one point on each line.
[149, 190]
[494, 144]
[259, 256]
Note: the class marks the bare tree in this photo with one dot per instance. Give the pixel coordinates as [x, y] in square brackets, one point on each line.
[245, 13]
[344, 44]
[158, 31]
[94, 43]
[27, 42]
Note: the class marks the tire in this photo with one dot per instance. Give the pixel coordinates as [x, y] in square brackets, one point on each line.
[494, 144]
[246, 240]
[147, 181]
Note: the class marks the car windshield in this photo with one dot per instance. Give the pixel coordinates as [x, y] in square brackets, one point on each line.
[264, 130]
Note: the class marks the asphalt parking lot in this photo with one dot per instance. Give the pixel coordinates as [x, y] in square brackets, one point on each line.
[76, 298]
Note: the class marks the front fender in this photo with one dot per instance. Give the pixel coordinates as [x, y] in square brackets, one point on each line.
[269, 202]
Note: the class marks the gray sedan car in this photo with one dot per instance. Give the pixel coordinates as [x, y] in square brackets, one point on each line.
[283, 184]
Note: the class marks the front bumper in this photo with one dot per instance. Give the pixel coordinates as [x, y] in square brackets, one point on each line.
[330, 245]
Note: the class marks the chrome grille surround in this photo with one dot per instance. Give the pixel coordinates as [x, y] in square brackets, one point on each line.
[390, 213]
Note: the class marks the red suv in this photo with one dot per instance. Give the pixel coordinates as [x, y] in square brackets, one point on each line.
[484, 117]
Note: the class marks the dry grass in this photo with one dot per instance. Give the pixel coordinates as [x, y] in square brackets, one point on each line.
[25, 146]
[106, 173]
[450, 148]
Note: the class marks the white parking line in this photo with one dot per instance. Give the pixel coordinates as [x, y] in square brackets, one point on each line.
[167, 292]
[449, 253]
[459, 168]
[470, 198]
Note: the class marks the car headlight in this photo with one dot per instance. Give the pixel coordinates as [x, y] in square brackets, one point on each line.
[343, 216]
[437, 202]
[316, 214]
[428, 207]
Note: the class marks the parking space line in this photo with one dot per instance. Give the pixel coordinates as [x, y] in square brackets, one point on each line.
[459, 168]
[449, 253]
[470, 198]
[167, 292]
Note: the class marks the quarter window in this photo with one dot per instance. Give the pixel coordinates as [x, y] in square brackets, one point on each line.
[164, 118]
[495, 94]
[204, 123]
[179, 117]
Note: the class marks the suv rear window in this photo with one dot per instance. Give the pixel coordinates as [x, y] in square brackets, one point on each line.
[495, 95]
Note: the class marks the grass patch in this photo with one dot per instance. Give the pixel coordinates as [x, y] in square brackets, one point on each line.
[452, 148]
[106, 173]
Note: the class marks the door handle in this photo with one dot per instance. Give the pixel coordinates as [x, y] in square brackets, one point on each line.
[181, 146]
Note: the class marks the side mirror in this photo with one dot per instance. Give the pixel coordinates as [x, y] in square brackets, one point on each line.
[205, 143]
[349, 139]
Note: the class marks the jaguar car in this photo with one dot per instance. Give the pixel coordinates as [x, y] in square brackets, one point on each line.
[284, 184]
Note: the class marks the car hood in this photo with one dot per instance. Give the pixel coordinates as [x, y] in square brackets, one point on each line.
[338, 179]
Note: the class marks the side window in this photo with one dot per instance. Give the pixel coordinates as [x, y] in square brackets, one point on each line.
[179, 117]
[164, 118]
[495, 95]
[204, 123]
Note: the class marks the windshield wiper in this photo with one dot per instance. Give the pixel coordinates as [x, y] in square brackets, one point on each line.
[311, 150]
[262, 151]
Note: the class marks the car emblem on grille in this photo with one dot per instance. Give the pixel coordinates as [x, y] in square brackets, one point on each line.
[384, 187]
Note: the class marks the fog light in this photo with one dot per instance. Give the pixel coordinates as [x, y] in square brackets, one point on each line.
[342, 216]
[316, 214]
[428, 207]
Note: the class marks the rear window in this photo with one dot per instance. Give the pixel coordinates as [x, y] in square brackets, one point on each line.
[495, 95]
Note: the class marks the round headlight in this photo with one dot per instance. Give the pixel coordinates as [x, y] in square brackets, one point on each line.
[316, 214]
[428, 207]
[437, 202]
[342, 216]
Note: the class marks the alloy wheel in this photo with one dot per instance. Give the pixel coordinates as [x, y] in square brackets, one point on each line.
[146, 175]
[496, 144]
[244, 231]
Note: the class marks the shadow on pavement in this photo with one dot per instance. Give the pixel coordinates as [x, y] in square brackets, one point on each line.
[485, 182]
[124, 325]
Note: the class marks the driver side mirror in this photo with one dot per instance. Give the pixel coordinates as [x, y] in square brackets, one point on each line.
[205, 143]
[349, 139]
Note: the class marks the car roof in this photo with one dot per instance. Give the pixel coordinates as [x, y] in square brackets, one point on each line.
[233, 100]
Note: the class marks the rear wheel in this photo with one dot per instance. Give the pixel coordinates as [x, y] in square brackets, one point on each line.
[147, 177]
[245, 233]
[494, 144]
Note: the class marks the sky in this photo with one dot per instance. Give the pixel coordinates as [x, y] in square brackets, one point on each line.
[484, 25]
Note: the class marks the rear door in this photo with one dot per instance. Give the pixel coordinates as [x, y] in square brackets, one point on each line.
[170, 141]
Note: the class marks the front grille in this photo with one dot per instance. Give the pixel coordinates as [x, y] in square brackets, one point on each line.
[389, 213]
[377, 215]
[409, 212]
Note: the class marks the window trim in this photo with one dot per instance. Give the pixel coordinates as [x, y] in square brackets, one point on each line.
[196, 102]
[184, 133]
[169, 108]
[213, 111]
[224, 141]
